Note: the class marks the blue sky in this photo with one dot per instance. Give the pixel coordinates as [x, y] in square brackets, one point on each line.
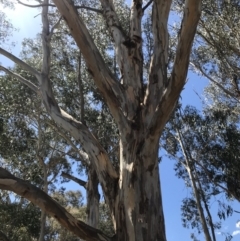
[173, 189]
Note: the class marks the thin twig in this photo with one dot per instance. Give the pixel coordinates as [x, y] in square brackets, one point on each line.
[54, 27]
[147, 5]
[52, 5]
[36, 6]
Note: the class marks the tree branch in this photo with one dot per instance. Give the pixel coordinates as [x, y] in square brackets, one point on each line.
[174, 86]
[20, 62]
[91, 9]
[104, 79]
[35, 6]
[198, 67]
[50, 206]
[21, 79]
[52, 5]
[147, 5]
[83, 155]
[75, 179]
[55, 26]
[158, 67]
[128, 50]
[81, 133]
[192, 12]
[98, 156]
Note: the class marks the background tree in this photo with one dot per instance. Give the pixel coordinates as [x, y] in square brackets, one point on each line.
[206, 149]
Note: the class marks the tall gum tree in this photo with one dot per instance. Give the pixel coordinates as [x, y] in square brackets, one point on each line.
[133, 193]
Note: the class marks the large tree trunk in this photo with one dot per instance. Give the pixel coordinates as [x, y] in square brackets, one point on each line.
[138, 209]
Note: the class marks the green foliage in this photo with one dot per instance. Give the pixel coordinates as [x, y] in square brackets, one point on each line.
[210, 142]
[19, 222]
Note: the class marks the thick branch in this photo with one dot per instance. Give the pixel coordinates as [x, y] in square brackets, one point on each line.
[104, 79]
[51, 207]
[189, 24]
[128, 50]
[177, 80]
[20, 62]
[75, 179]
[158, 66]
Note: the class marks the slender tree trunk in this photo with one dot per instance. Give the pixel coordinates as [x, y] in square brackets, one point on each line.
[207, 209]
[138, 209]
[199, 205]
[45, 177]
[80, 86]
[43, 222]
[195, 189]
[43, 213]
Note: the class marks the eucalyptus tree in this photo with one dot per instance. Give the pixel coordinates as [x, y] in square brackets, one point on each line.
[206, 149]
[19, 219]
[216, 53]
[6, 26]
[140, 108]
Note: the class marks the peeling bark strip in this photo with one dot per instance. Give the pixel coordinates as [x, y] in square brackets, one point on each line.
[50, 206]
